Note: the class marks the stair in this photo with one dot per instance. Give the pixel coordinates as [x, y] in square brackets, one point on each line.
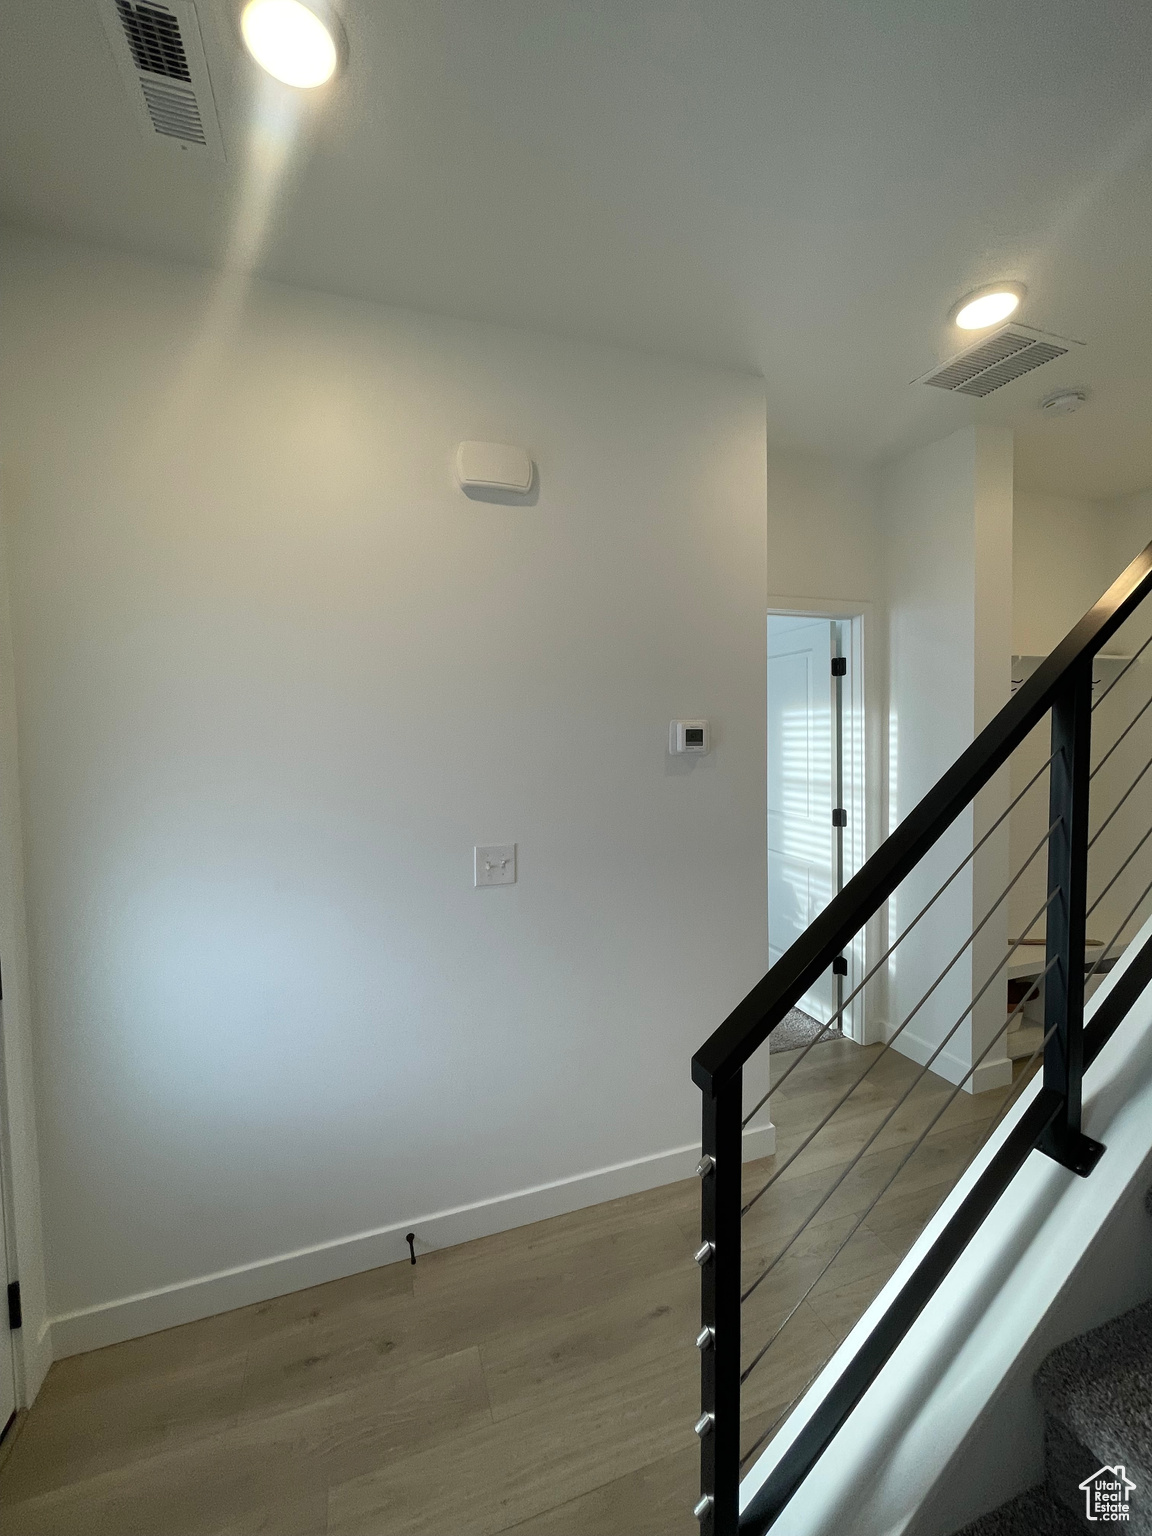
[1096, 1392]
[1035, 1513]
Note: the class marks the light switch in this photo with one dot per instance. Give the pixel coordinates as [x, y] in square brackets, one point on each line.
[496, 865]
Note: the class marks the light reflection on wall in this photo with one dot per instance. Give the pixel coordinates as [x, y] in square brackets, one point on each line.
[805, 750]
[271, 147]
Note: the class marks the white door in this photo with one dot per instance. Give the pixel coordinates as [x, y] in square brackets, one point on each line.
[801, 782]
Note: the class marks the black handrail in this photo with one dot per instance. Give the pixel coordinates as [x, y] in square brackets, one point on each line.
[751, 1021]
[1062, 685]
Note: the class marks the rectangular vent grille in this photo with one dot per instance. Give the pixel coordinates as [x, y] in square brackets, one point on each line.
[160, 56]
[154, 38]
[1007, 354]
[174, 111]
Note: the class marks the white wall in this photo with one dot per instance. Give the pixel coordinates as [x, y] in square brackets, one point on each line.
[947, 512]
[1130, 518]
[1062, 560]
[822, 530]
[277, 675]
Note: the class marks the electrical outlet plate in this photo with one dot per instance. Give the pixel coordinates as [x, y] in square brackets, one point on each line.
[495, 864]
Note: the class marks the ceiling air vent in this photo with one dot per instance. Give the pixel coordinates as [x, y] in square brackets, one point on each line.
[161, 60]
[1008, 353]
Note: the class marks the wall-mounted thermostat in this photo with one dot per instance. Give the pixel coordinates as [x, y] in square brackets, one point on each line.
[688, 736]
[493, 467]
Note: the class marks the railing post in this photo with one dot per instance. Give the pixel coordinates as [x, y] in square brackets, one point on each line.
[1070, 787]
[719, 1340]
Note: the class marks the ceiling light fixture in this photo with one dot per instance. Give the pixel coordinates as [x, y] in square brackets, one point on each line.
[987, 306]
[296, 42]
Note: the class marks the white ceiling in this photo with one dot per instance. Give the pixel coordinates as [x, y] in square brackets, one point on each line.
[799, 189]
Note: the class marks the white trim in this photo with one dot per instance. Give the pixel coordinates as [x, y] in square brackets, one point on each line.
[954, 1068]
[821, 607]
[129, 1317]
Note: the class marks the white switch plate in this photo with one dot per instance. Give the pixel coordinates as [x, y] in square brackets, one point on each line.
[496, 865]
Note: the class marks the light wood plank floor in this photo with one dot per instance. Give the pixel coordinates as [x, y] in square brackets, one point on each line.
[540, 1381]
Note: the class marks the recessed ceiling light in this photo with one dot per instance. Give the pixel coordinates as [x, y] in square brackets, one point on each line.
[987, 306]
[298, 43]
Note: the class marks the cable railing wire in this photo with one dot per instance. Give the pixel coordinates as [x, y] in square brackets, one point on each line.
[838, 1016]
[896, 1033]
[1119, 872]
[1131, 662]
[780, 1417]
[901, 1165]
[822, 1202]
[1103, 955]
[1024, 1077]
[1103, 827]
[1032, 993]
[1135, 720]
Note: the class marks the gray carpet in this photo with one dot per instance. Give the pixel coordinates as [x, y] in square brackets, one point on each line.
[1097, 1397]
[1096, 1392]
[1035, 1513]
[797, 1029]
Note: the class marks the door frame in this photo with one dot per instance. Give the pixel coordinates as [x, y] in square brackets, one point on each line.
[862, 756]
[8, 1225]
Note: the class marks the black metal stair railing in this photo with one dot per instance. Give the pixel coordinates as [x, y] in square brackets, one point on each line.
[879, 1133]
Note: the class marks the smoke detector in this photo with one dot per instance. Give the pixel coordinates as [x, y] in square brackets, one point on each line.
[160, 55]
[1006, 354]
[1062, 402]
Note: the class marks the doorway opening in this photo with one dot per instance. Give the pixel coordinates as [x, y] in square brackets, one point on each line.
[816, 801]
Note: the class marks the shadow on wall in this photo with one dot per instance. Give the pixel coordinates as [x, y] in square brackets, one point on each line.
[505, 497]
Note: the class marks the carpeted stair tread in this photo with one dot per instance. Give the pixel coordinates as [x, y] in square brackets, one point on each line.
[797, 1029]
[1099, 1386]
[1034, 1513]
[1096, 1392]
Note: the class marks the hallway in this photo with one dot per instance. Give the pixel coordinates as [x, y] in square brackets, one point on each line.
[542, 1380]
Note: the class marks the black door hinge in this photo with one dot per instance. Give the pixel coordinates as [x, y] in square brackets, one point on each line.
[15, 1313]
[839, 666]
[839, 818]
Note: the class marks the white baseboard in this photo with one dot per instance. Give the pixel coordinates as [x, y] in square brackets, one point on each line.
[129, 1317]
[993, 1073]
